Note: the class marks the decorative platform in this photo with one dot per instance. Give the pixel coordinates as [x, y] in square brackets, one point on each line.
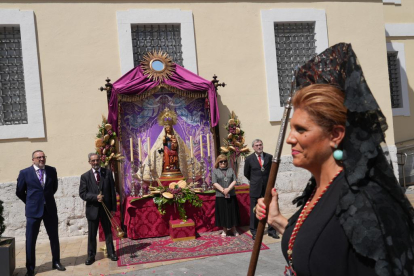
[182, 230]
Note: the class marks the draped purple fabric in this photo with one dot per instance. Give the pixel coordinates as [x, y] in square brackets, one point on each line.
[135, 82]
[187, 80]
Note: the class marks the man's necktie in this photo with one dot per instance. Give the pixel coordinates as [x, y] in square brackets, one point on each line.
[260, 161]
[40, 175]
[98, 177]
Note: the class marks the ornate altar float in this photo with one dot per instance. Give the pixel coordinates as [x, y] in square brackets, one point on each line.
[164, 114]
[165, 117]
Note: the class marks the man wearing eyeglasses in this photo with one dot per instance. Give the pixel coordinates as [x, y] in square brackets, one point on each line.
[256, 170]
[36, 186]
[96, 186]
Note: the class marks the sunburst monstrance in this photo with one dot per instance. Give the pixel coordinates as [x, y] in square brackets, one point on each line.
[157, 65]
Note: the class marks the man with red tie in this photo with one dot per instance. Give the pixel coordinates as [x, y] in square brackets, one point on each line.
[256, 170]
[96, 186]
[36, 187]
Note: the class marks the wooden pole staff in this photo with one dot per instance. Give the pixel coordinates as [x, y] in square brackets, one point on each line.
[272, 179]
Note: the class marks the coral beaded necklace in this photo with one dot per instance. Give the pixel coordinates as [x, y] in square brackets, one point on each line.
[303, 215]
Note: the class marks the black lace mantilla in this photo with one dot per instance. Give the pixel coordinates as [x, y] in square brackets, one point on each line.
[375, 214]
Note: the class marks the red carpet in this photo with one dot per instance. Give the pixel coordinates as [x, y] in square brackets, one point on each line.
[164, 249]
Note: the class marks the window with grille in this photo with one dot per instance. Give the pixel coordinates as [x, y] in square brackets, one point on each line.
[164, 37]
[394, 75]
[295, 44]
[13, 110]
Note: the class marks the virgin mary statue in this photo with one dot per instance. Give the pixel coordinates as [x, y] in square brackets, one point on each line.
[171, 164]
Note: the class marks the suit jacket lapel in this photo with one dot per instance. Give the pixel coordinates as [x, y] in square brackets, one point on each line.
[47, 176]
[102, 179]
[265, 159]
[92, 181]
[34, 174]
[256, 158]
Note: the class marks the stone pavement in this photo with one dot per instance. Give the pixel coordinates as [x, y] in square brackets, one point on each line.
[73, 256]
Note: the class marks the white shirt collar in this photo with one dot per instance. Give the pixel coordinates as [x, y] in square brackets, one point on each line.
[257, 155]
[94, 171]
[36, 167]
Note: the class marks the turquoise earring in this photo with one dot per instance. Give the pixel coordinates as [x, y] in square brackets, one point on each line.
[338, 154]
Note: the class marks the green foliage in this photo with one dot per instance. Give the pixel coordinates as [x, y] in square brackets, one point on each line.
[2, 226]
[180, 197]
[161, 202]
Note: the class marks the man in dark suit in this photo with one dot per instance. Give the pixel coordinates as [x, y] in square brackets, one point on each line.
[256, 170]
[36, 186]
[96, 186]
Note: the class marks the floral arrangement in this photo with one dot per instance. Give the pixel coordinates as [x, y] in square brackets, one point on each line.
[105, 143]
[234, 143]
[177, 193]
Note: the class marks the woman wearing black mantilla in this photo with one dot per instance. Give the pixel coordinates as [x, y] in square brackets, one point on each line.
[354, 217]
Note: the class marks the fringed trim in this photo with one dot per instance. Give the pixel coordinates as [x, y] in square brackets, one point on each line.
[140, 97]
[146, 94]
[184, 93]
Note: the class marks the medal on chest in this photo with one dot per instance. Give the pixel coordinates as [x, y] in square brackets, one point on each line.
[262, 169]
[225, 176]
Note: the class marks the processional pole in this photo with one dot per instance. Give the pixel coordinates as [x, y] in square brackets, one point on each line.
[272, 178]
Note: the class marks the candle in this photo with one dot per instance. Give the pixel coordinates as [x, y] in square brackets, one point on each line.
[131, 148]
[149, 147]
[208, 145]
[139, 150]
[191, 146]
[201, 146]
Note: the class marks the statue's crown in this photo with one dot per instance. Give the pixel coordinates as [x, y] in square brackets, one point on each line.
[167, 117]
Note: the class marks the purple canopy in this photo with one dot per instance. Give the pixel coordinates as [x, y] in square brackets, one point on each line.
[135, 82]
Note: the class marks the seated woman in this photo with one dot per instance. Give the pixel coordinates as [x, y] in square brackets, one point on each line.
[354, 218]
[227, 209]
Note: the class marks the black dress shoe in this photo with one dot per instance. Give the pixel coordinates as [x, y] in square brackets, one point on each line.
[274, 235]
[58, 266]
[253, 236]
[30, 273]
[90, 260]
[113, 257]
